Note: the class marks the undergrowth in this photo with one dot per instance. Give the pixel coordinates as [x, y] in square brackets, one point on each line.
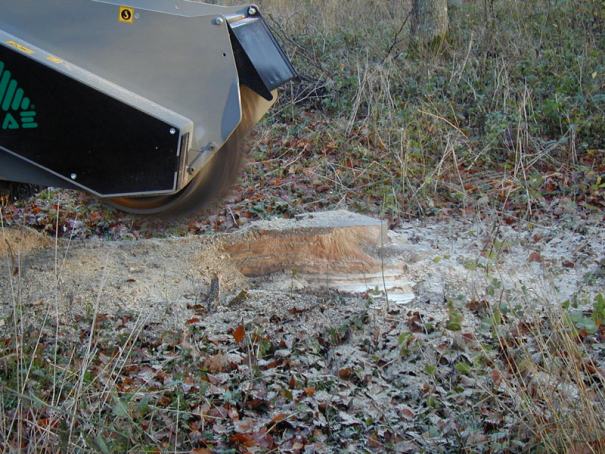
[508, 117]
[506, 373]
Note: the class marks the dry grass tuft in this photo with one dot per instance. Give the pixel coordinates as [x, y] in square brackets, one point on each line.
[548, 382]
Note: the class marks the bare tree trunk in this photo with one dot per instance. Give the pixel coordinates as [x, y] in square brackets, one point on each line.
[429, 22]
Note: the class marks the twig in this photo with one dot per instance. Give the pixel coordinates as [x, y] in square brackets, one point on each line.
[446, 120]
[281, 33]
[395, 40]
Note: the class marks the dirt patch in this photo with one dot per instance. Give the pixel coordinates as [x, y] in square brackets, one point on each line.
[454, 262]
[21, 240]
[158, 275]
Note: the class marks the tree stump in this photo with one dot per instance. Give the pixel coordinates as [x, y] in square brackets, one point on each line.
[338, 250]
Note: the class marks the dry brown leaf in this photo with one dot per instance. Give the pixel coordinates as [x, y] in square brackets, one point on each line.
[245, 426]
[278, 418]
[216, 363]
[344, 374]
[239, 334]
[309, 391]
[406, 413]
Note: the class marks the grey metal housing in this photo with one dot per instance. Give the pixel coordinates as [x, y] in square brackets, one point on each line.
[173, 60]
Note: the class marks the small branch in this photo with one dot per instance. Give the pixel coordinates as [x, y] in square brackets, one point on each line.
[396, 41]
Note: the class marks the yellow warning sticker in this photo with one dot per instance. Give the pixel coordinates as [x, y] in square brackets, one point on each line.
[54, 59]
[126, 14]
[20, 47]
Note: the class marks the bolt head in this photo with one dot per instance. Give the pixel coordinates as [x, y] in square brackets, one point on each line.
[190, 170]
[172, 131]
[252, 11]
[218, 21]
[73, 176]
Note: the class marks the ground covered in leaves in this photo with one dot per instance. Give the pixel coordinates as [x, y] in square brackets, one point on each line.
[323, 375]
[501, 351]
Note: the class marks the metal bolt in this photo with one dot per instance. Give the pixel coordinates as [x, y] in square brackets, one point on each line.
[218, 21]
[73, 176]
[252, 11]
[190, 170]
[172, 131]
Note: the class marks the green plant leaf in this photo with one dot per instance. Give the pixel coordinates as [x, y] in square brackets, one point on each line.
[470, 265]
[405, 339]
[453, 325]
[102, 445]
[120, 408]
[143, 404]
[430, 369]
[463, 367]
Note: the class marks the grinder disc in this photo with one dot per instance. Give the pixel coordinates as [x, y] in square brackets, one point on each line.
[212, 182]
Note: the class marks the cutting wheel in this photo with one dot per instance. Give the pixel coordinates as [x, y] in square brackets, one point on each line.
[213, 180]
[206, 187]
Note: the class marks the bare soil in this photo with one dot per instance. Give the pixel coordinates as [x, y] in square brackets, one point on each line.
[458, 260]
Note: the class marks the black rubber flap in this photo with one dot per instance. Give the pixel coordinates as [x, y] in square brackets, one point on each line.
[259, 56]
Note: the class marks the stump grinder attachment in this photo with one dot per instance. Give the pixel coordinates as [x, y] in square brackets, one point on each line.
[140, 102]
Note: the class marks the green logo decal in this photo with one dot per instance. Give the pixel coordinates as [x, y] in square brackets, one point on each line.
[16, 111]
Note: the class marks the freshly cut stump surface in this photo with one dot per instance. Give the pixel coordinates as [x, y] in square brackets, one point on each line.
[336, 249]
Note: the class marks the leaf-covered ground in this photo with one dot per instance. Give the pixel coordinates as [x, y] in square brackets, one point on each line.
[490, 356]
[322, 376]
